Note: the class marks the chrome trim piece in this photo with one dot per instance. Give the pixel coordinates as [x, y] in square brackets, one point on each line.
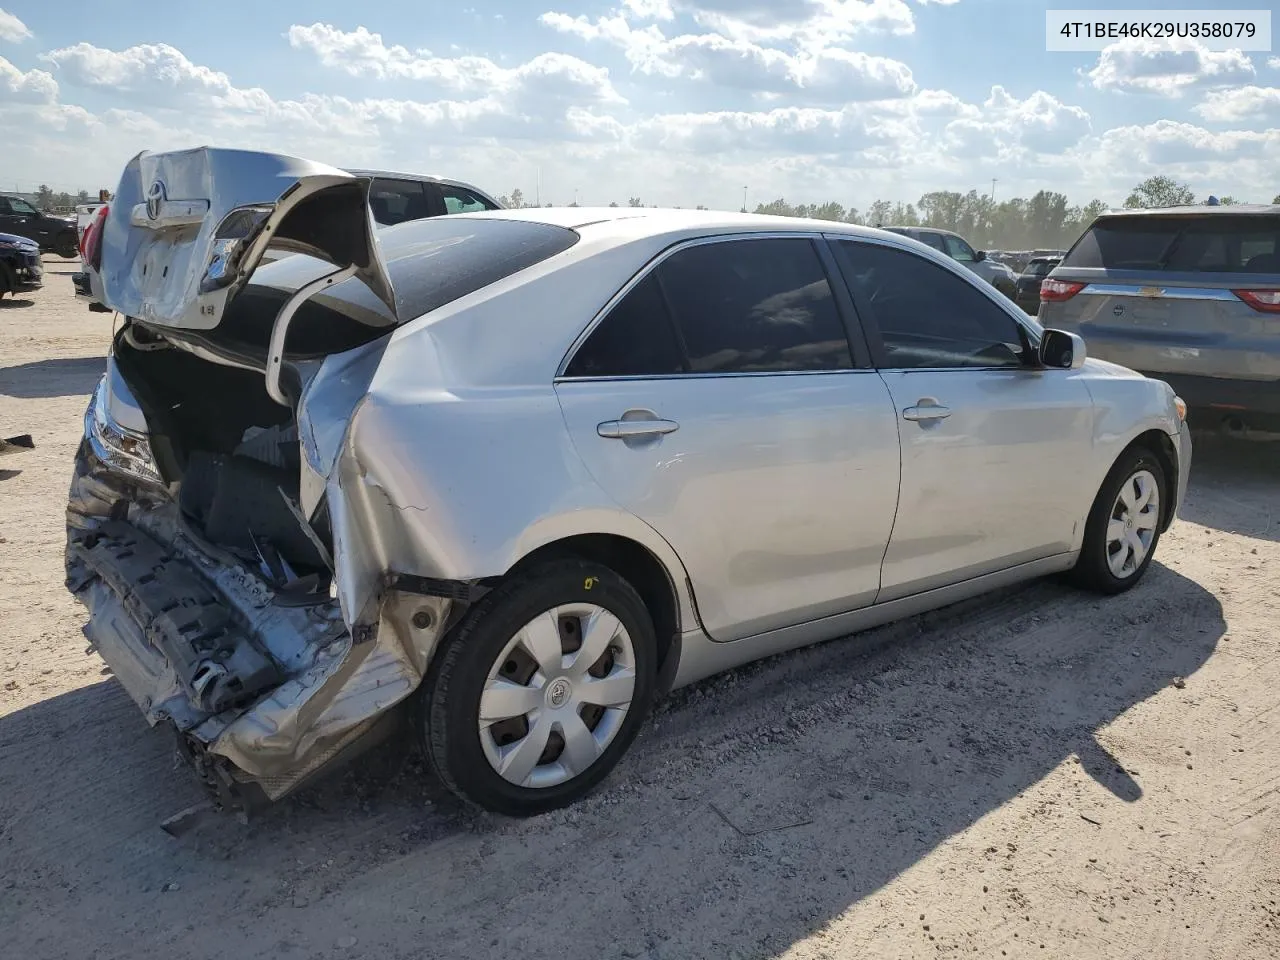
[1142, 291]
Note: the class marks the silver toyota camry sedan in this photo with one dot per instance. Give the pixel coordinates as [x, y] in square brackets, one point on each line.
[512, 475]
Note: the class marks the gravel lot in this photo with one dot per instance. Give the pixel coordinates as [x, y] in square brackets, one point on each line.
[1036, 774]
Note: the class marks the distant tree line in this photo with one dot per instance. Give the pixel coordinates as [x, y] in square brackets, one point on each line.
[47, 200]
[1046, 220]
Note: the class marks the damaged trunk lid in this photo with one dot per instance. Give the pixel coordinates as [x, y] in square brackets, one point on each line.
[188, 228]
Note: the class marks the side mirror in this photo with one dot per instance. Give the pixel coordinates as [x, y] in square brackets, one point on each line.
[1060, 350]
[980, 256]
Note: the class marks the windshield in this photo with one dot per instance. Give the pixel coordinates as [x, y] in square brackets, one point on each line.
[21, 206]
[1189, 244]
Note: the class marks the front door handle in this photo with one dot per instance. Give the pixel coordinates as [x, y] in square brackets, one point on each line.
[926, 408]
[633, 429]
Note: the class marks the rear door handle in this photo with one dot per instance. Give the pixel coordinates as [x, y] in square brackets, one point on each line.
[631, 429]
[926, 408]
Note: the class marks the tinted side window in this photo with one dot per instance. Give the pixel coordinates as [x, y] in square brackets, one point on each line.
[461, 200]
[395, 201]
[929, 317]
[957, 249]
[932, 239]
[755, 306]
[635, 339]
[4, 205]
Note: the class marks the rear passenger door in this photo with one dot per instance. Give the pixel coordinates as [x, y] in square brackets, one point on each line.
[991, 443]
[720, 400]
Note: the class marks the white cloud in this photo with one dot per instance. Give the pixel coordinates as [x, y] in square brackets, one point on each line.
[649, 9]
[1170, 143]
[806, 23]
[1008, 127]
[824, 75]
[32, 86]
[1274, 63]
[806, 131]
[1157, 67]
[154, 73]
[12, 29]
[551, 76]
[1241, 103]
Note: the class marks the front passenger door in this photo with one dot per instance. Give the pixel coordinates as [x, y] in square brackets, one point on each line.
[991, 442]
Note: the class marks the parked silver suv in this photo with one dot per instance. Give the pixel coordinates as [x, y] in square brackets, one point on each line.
[527, 470]
[1188, 294]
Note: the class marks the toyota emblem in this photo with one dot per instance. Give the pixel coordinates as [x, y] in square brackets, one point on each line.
[155, 198]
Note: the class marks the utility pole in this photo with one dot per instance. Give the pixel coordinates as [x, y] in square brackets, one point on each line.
[994, 181]
[744, 199]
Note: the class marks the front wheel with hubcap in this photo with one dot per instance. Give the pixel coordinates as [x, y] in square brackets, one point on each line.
[540, 690]
[1124, 525]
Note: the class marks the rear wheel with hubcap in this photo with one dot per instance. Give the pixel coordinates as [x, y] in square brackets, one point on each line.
[1124, 525]
[541, 689]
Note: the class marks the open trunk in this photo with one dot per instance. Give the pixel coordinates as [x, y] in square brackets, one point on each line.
[199, 530]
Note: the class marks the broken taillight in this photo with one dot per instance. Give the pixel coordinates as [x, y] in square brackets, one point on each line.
[1056, 291]
[91, 241]
[1264, 301]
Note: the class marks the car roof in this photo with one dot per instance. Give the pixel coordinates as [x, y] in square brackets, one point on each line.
[630, 223]
[950, 233]
[1198, 209]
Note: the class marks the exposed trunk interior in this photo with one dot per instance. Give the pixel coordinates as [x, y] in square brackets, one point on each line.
[235, 457]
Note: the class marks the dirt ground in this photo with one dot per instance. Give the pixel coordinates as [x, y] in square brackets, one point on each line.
[1039, 773]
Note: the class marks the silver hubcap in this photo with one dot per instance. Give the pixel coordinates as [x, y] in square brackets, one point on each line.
[1132, 528]
[557, 695]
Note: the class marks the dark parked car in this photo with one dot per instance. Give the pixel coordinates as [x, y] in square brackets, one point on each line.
[1027, 292]
[958, 249]
[19, 264]
[56, 234]
[1187, 294]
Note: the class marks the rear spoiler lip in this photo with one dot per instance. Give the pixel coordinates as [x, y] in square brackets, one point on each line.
[310, 208]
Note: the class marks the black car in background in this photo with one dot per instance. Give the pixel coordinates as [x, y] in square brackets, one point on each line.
[1026, 292]
[55, 234]
[20, 267]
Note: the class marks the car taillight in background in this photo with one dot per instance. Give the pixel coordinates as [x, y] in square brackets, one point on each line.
[91, 241]
[1264, 301]
[1056, 291]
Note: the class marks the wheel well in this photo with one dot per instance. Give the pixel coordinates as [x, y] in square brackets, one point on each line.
[633, 562]
[1158, 442]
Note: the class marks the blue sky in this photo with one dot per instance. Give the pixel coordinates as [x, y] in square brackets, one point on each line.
[675, 101]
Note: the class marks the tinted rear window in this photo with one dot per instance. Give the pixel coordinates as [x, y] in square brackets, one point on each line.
[1194, 244]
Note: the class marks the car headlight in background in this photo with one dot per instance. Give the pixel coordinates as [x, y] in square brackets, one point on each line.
[115, 446]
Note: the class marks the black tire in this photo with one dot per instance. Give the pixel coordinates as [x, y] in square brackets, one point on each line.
[66, 245]
[449, 698]
[8, 281]
[1092, 570]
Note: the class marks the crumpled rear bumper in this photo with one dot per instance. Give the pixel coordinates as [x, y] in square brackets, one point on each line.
[262, 694]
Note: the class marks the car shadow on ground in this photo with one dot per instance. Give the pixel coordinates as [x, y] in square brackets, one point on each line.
[40, 379]
[1240, 478]
[15, 303]
[758, 805]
